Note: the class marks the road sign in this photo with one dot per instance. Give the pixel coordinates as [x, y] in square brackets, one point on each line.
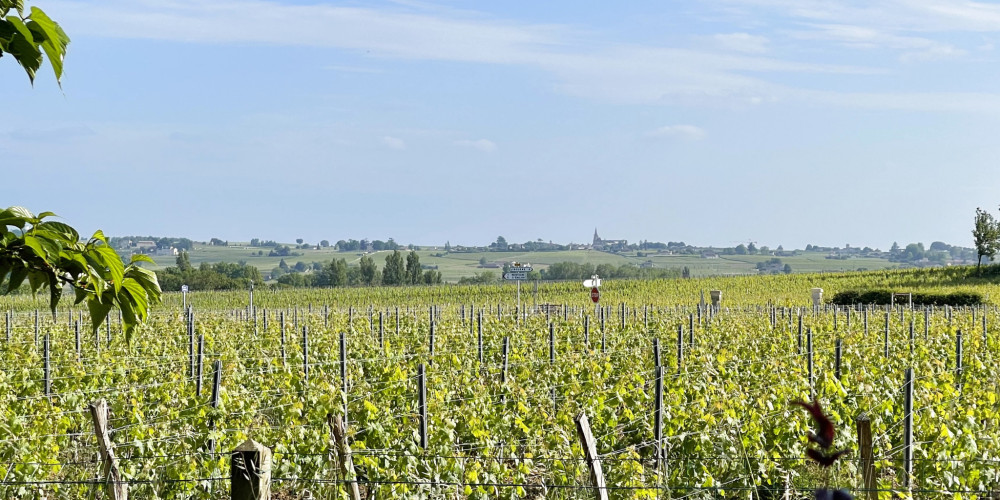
[595, 294]
[516, 275]
[592, 283]
[184, 288]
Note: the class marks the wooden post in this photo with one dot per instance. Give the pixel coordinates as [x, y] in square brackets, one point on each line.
[552, 344]
[344, 456]
[809, 358]
[503, 372]
[656, 353]
[867, 456]
[593, 460]
[958, 359]
[430, 360]
[586, 331]
[117, 489]
[658, 415]
[422, 404]
[76, 331]
[250, 472]
[680, 350]
[381, 330]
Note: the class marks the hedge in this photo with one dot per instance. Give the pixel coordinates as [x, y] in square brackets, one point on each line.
[883, 297]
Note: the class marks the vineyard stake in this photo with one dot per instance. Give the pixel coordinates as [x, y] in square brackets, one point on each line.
[586, 330]
[908, 428]
[838, 351]
[656, 353]
[865, 310]
[958, 359]
[117, 488]
[201, 364]
[422, 404]
[867, 455]
[658, 415]
[343, 372]
[46, 366]
[250, 471]
[480, 338]
[281, 317]
[76, 333]
[338, 428]
[381, 331]
[36, 327]
[912, 338]
[926, 323]
[552, 344]
[589, 446]
[431, 358]
[305, 353]
[216, 385]
[503, 373]
[809, 358]
[680, 350]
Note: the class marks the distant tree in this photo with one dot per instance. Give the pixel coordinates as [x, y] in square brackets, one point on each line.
[183, 261]
[752, 249]
[324, 243]
[413, 271]
[894, 249]
[913, 252]
[394, 272]
[740, 249]
[298, 240]
[809, 248]
[787, 269]
[391, 244]
[986, 234]
[300, 267]
[780, 248]
[484, 277]
[283, 265]
[369, 271]
[218, 242]
[432, 277]
[255, 242]
[482, 261]
[378, 245]
[686, 273]
[501, 243]
[447, 246]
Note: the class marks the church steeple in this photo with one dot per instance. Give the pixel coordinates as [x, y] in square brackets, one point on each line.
[597, 239]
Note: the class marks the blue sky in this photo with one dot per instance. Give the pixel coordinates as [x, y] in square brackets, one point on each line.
[780, 121]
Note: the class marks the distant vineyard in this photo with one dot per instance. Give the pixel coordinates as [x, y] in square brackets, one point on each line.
[503, 388]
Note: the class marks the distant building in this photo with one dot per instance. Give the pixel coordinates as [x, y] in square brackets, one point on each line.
[607, 245]
[145, 245]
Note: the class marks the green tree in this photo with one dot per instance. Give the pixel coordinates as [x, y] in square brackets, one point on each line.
[183, 262]
[394, 272]
[46, 252]
[740, 249]
[324, 243]
[432, 277]
[413, 271]
[986, 234]
[369, 271]
[26, 35]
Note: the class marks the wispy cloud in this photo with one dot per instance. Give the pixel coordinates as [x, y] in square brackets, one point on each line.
[683, 132]
[742, 42]
[393, 142]
[732, 69]
[484, 145]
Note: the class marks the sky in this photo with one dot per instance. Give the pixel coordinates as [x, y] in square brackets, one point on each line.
[783, 122]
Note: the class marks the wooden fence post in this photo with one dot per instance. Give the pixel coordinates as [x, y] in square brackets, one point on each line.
[117, 489]
[867, 456]
[344, 456]
[250, 472]
[593, 460]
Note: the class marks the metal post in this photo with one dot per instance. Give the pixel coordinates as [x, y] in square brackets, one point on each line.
[343, 372]
[422, 404]
[908, 428]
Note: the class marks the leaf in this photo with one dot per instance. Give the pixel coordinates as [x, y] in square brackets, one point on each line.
[52, 37]
[15, 216]
[64, 230]
[21, 45]
[98, 311]
[17, 276]
[139, 257]
[55, 291]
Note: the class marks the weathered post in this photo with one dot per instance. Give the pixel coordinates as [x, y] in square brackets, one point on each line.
[839, 351]
[422, 404]
[250, 472]
[589, 446]
[117, 488]
[908, 428]
[867, 456]
[216, 386]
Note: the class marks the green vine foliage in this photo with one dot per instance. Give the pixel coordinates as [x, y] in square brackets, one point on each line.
[50, 254]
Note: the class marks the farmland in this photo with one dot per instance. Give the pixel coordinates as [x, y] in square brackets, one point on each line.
[454, 266]
[501, 405]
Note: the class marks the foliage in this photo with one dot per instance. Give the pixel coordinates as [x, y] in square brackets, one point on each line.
[50, 253]
[413, 269]
[394, 272]
[575, 271]
[218, 276]
[986, 234]
[884, 297]
[26, 36]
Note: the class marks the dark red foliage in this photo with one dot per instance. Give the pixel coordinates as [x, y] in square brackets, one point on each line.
[824, 436]
[824, 459]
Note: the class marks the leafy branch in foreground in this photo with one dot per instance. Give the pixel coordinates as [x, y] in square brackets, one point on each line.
[26, 37]
[46, 252]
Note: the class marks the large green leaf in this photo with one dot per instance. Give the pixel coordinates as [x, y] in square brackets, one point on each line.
[98, 311]
[22, 46]
[15, 216]
[64, 230]
[52, 37]
[113, 264]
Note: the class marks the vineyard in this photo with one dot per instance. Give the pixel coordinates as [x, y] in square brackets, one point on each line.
[456, 392]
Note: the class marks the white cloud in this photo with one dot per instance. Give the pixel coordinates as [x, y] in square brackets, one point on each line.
[742, 42]
[484, 145]
[393, 143]
[861, 37]
[684, 132]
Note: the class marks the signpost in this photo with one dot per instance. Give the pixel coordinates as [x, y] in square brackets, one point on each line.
[517, 272]
[595, 294]
[184, 293]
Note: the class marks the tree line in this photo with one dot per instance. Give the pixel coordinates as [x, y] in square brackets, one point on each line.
[396, 271]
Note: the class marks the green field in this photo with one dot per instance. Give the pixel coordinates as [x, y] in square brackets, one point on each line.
[454, 266]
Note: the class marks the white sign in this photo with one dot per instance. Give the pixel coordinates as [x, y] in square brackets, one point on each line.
[516, 275]
[593, 282]
[184, 288]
